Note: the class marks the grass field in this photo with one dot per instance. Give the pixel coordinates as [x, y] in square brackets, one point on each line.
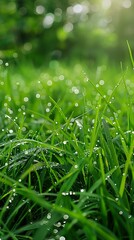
[66, 152]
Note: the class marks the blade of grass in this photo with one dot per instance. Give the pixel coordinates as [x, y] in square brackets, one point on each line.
[127, 164]
[130, 53]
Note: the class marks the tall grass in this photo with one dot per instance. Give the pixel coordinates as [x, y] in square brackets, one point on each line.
[67, 142]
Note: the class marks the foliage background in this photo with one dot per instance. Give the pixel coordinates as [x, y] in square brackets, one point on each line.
[91, 29]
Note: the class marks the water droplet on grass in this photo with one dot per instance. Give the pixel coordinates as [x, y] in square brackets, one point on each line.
[24, 129]
[58, 224]
[49, 104]
[37, 95]
[49, 83]
[55, 231]
[5, 104]
[10, 111]
[120, 212]
[62, 238]
[101, 82]
[47, 110]
[64, 193]
[75, 90]
[11, 131]
[49, 216]
[76, 104]
[26, 99]
[61, 77]
[65, 216]
[82, 190]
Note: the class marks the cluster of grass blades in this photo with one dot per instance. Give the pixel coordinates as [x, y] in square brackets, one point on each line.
[66, 154]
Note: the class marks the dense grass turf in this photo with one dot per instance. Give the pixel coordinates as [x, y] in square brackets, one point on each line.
[66, 152]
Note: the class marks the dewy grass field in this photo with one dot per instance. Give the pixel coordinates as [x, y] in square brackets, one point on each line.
[66, 159]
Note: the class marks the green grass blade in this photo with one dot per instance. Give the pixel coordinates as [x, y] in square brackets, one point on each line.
[126, 167]
[130, 54]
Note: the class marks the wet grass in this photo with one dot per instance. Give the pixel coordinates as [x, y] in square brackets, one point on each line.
[66, 152]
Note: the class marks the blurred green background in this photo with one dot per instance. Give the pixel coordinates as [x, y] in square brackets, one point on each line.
[43, 30]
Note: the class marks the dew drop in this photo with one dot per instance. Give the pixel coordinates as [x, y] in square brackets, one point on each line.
[82, 190]
[49, 83]
[75, 90]
[49, 104]
[62, 238]
[37, 95]
[47, 110]
[49, 216]
[9, 99]
[26, 99]
[10, 111]
[55, 231]
[64, 193]
[65, 216]
[11, 131]
[101, 82]
[61, 77]
[23, 129]
[58, 224]
[76, 104]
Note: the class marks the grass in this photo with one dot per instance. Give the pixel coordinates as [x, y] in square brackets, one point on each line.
[67, 161]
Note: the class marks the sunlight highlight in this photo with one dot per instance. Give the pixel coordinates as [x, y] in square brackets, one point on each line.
[126, 3]
[106, 4]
